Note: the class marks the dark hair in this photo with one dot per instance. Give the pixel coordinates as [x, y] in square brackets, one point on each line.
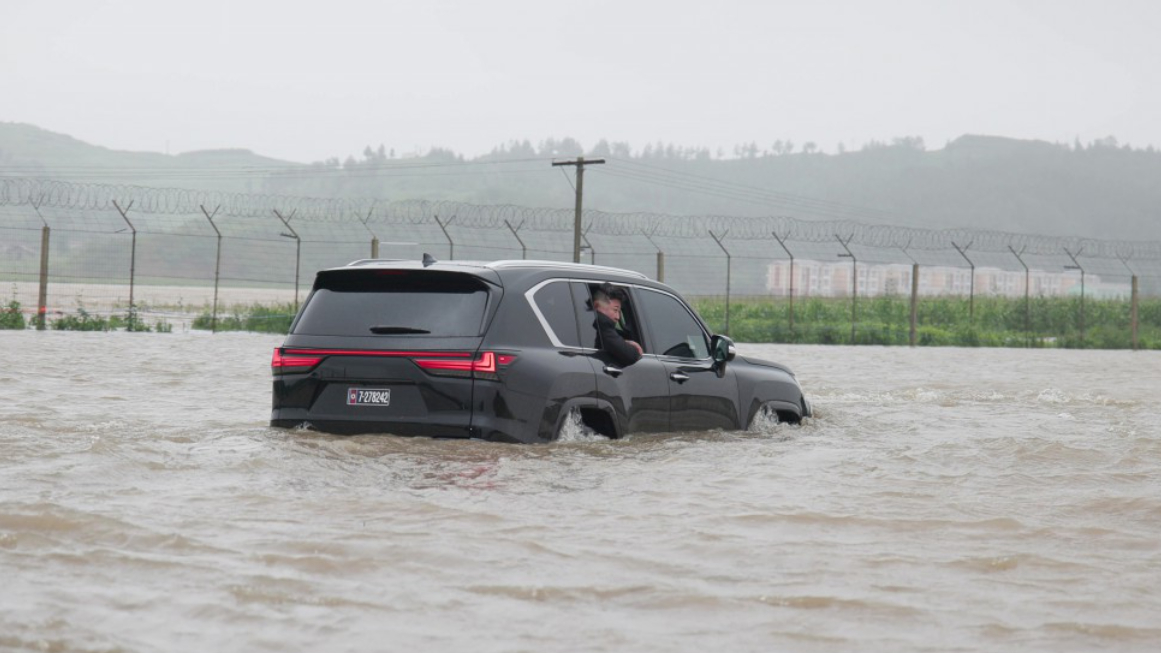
[609, 291]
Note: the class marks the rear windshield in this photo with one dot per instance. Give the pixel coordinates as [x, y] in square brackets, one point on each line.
[394, 303]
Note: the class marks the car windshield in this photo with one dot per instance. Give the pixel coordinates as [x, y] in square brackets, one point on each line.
[394, 303]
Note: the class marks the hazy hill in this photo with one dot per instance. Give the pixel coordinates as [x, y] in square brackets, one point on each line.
[29, 151]
[1096, 190]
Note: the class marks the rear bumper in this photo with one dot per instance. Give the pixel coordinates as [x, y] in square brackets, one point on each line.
[291, 418]
[489, 428]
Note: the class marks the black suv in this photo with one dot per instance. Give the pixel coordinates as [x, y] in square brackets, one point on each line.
[505, 351]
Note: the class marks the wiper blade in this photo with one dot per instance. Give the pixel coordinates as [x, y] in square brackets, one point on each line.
[384, 330]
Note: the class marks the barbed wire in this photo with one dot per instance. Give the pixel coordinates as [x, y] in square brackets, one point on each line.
[66, 195]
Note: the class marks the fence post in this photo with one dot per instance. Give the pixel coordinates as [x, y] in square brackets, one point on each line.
[1076, 266]
[854, 281]
[523, 247]
[217, 265]
[660, 257]
[589, 246]
[132, 261]
[374, 236]
[782, 242]
[451, 246]
[1027, 296]
[914, 299]
[1133, 313]
[972, 282]
[1133, 302]
[914, 292]
[42, 294]
[729, 262]
[297, 250]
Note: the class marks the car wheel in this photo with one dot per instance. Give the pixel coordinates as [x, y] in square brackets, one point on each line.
[766, 419]
[584, 425]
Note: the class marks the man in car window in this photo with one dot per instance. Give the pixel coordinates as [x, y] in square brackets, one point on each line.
[607, 300]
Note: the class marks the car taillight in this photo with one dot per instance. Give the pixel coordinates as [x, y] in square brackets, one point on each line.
[440, 363]
[484, 367]
[287, 363]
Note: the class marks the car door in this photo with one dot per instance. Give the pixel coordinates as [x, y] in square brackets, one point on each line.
[639, 393]
[701, 395]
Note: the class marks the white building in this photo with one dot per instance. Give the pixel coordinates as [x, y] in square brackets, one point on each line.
[833, 279]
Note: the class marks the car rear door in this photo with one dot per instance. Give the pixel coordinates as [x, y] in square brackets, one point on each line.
[701, 395]
[639, 392]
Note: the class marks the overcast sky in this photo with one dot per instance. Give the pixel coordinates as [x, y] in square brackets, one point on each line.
[305, 81]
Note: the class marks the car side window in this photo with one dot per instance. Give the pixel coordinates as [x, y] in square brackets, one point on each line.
[675, 331]
[629, 324]
[554, 301]
[586, 318]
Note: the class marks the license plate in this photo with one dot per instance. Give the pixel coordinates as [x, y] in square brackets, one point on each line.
[369, 397]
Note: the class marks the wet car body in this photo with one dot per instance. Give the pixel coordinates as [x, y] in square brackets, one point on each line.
[505, 351]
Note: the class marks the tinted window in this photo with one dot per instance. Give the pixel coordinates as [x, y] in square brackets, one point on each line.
[585, 316]
[394, 302]
[675, 331]
[555, 303]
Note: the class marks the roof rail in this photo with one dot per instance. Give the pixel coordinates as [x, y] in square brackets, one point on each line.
[513, 263]
[415, 261]
[365, 261]
[562, 265]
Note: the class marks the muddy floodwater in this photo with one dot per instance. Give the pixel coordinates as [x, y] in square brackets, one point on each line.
[940, 500]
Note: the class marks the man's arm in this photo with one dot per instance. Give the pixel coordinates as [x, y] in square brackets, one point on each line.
[624, 352]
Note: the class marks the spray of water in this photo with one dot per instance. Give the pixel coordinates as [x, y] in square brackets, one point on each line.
[766, 422]
[573, 429]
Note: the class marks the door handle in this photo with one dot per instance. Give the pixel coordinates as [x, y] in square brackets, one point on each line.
[680, 377]
[613, 371]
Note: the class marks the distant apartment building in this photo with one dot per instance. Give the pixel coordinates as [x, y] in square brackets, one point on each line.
[833, 279]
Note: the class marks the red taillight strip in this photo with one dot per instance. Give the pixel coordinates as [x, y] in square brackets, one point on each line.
[485, 363]
[377, 352]
[280, 361]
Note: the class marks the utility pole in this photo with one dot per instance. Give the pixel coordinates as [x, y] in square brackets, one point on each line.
[580, 164]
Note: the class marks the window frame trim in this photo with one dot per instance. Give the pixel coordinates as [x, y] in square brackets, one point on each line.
[639, 312]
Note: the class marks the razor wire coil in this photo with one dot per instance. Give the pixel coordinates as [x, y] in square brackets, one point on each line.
[153, 203]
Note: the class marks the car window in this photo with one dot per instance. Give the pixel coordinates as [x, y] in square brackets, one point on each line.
[675, 331]
[628, 325]
[394, 302]
[586, 317]
[554, 302]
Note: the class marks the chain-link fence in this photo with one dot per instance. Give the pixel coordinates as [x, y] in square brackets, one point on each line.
[175, 256]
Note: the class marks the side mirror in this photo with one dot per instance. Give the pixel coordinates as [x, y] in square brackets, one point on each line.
[722, 349]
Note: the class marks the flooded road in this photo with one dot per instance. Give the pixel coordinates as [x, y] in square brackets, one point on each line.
[940, 499]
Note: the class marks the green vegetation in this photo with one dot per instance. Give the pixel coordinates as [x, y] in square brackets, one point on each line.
[940, 321]
[82, 321]
[261, 318]
[86, 321]
[11, 317]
